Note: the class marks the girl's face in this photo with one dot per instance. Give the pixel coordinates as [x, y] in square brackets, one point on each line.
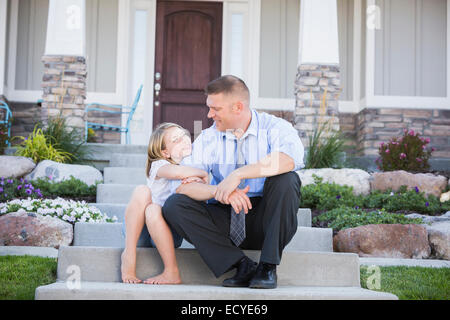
[178, 144]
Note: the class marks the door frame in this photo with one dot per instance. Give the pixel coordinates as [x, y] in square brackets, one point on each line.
[248, 9]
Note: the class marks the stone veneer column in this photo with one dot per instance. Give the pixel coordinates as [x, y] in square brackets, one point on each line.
[317, 89]
[64, 89]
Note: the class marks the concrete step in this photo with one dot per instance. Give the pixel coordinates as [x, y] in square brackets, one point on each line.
[114, 193]
[109, 235]
[118, 210]
[113, 235]
[322, 269]
[123, 175]
[122, 291]
[133, 160]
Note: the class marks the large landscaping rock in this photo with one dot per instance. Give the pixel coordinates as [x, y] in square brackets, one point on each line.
[15, 167]
[356, 178]
[426, 182]
[33, 229]
[60, 171]
[384, 240]
[439, 238]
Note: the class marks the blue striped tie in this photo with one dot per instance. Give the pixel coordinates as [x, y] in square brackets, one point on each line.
[237, 225]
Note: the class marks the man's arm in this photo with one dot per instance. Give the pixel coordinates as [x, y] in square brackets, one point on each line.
[273, 164]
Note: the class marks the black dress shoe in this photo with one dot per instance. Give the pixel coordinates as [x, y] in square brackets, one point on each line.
[246, 269]
[265, 277]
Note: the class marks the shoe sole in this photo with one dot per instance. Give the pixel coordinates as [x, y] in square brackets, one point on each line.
[262, 286]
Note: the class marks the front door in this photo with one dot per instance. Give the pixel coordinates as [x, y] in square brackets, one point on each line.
[187, 57]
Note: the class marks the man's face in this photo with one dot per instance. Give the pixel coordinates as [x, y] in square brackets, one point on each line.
[221, 111]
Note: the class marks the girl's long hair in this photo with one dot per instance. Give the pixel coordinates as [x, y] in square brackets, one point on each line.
[156, 145]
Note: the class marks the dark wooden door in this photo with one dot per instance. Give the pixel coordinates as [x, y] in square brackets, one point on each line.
[188, 56]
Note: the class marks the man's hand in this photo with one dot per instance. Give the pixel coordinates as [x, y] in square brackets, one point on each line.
[239, 200]
[226, 187]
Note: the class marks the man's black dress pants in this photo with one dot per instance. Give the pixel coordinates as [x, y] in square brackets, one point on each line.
[270, 224]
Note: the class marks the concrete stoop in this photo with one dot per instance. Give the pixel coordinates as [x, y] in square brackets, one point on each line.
[301, 275]
[122, 291]
[113, 235]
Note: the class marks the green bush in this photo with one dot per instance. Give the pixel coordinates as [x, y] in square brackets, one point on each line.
[3, 138]
[67, 188]
[409, 153]
[409, 200]
[17, 188]
[38, 148]
[44, 188]
[65, 138]
[327, 196]
[345, 217]
[324, 151]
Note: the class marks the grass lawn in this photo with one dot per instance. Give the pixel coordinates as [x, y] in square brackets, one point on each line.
[21, 275]
[410, 283]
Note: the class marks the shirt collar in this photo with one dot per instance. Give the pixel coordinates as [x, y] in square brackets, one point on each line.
[252, 128]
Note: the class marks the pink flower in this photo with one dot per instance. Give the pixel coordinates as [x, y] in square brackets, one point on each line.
[402, 155]
[418, 160]
[411, 133]
[427, 140]
[387, 151]
[433, 149]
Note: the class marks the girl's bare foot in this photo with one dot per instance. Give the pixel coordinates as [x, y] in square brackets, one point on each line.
[166, 277]
[128, 267]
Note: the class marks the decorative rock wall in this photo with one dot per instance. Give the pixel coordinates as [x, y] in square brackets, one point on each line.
[379, 125]
[64, 89]
[317, 89]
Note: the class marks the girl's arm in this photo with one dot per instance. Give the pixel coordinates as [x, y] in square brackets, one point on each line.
[177, 172]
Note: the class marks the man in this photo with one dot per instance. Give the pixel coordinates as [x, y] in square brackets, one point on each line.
[252, 158]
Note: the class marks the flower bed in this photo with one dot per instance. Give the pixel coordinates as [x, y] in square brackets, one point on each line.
[66, 210]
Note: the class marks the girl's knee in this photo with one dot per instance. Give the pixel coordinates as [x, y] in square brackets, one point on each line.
[142, 194]
[153, 212]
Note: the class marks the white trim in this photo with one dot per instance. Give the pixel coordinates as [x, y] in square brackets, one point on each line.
[370, 58]
[254, 8]
[357, 5]
[269, 103]
[12, 52]
[448, 50]
[3, 18]
[401, 102]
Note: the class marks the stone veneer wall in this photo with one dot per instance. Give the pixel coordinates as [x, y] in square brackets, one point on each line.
[317, 89]
[64, 89]
[374, 126]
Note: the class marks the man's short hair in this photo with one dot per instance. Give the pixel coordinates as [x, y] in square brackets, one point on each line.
[229, 84]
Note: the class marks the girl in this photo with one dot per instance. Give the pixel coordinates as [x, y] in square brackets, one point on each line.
[168, 145]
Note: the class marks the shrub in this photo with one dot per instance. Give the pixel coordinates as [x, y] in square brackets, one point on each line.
[406, 200]
[67, 139]
[67, 188]
[327, 196]
[21, 188]
[345, 217]
[3, 138]
[409, 153]
[38, 148]
[324, 151]
[92, 136]
[66, 210]
[17, 188]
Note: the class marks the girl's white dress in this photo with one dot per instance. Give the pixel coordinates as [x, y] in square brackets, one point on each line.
[160, 188]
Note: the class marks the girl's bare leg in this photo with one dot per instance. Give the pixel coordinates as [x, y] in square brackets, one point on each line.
[163, 239]
[134, 222]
